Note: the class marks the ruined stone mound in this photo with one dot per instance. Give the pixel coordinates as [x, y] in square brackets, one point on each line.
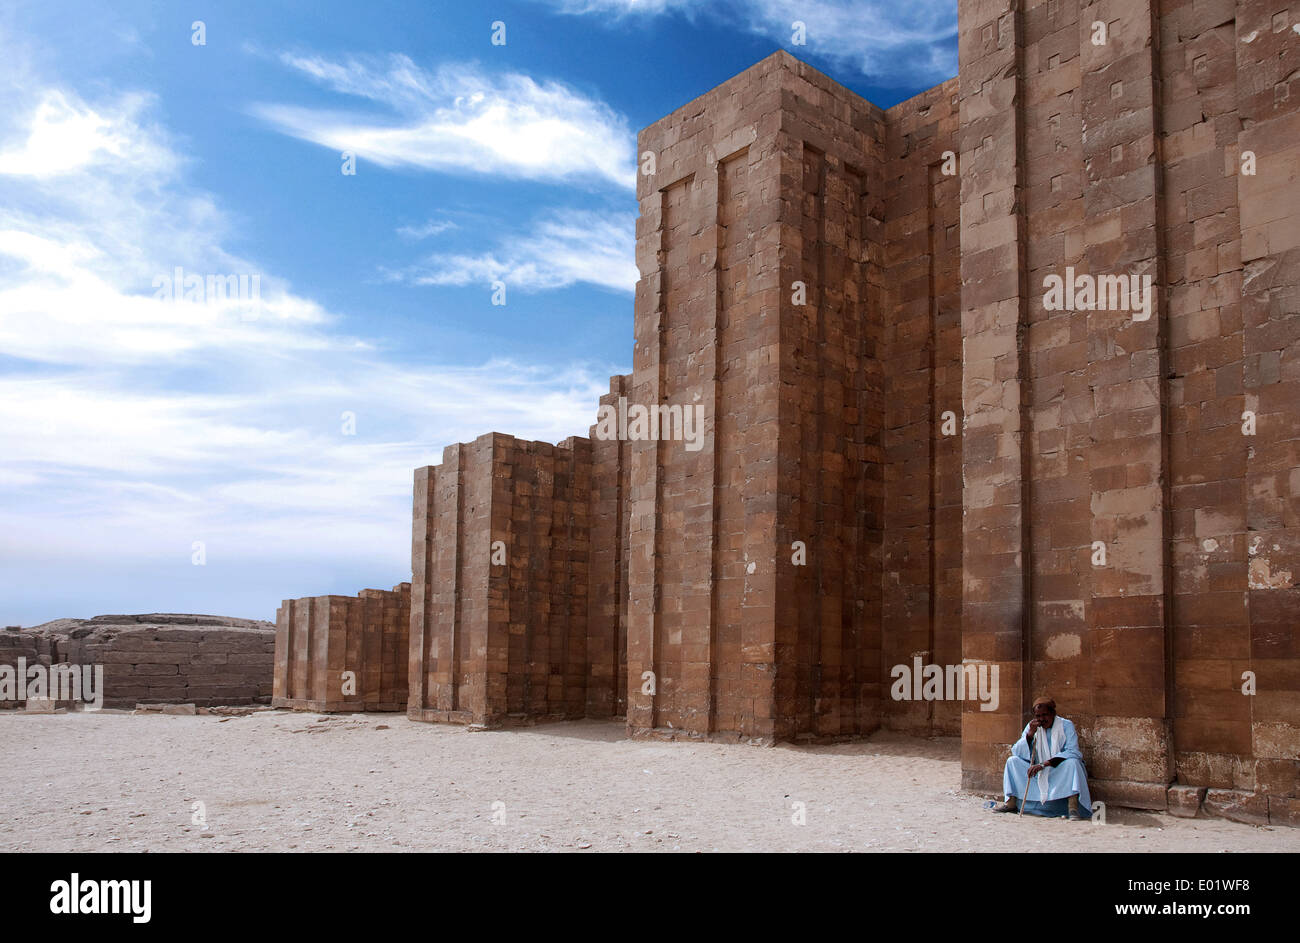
[83, 627]
[158, 658]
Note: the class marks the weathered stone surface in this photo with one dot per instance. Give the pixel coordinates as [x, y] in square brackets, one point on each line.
[1185, 801]
[1247, 807]
[499, 603]
[156, 657]
[1134, 795]
[334, 653]
[909, 450]
[1284, 811]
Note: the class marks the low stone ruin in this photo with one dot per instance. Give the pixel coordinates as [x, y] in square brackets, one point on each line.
[156, 658]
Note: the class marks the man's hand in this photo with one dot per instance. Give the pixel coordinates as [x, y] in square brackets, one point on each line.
[1036, 769]
[1033, 729]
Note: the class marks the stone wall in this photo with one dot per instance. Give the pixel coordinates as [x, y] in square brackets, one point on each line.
[832, 403]
[33, 648]
[1093, 429]
[319, 639]
[754, 562]
[908, 454]
[922, 447]
[158, 658]
[500, 582]
[607, 681]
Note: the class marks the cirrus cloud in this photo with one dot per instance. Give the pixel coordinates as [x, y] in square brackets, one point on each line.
[561, 249]
[458, 119]
[136, 426]
[891, 43]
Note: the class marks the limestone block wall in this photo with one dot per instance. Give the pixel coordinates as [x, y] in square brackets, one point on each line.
[831, 380]
[755, 248]
[862, 368]
[907, 452]
[33, 648]
[319, 639]
[607, 680]
[500, 582]
[702, 539]
[921, 358]
[1168, 442]
[156, 658]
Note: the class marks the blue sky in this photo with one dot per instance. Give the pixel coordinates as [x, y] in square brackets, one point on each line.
[280, 431]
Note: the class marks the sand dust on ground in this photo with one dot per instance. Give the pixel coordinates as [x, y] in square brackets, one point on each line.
[281, 781]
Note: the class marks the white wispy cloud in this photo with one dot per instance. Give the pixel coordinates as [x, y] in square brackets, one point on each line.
[561, 249]
[92, 214]
[134, 426]
[892, 43]
[626, 7]
[425, 230]
[65, 136]
[457, 119]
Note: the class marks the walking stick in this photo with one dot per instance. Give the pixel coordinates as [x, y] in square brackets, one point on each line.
[1033, 744]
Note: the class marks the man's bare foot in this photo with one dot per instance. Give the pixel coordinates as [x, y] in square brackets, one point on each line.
[1008, 806]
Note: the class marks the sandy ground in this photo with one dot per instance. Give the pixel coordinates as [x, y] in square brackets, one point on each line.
[278, 781]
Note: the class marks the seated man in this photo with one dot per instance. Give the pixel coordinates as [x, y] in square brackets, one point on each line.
[1045, 769]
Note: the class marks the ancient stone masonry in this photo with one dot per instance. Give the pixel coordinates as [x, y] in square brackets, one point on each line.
[607, 681]
[1170, 441]
[917, 448]
[343, 653]
[499, 591]
[157, 658]
[20, 649]
[761, 184]
[921, 358]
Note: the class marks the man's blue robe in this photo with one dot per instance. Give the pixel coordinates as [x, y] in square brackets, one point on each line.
[1068, 778]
